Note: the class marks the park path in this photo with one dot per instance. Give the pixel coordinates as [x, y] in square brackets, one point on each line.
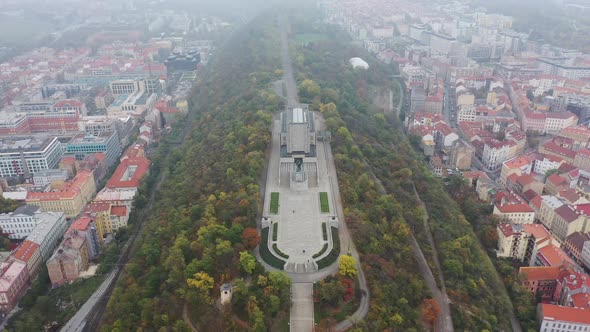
[444, 321]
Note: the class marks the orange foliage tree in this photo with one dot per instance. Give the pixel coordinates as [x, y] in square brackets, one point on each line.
[430, 311]
[251, 238]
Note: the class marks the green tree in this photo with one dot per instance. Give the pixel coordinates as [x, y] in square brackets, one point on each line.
[279, 280]
[332, 291]
[247, 262]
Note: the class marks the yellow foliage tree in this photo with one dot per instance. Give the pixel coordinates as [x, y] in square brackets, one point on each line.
[201, 281]
[347, 266]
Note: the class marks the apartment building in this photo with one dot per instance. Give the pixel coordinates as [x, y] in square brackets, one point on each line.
[70, 198]
[14, 279]
[69, 259]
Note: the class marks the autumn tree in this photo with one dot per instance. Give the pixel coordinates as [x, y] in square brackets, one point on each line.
[255, 316]
[430, 311]
[347, 266]
[308, 89]
[250, 238]
[203, 283]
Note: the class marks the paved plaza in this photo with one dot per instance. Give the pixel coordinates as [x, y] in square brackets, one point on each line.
[299, 219]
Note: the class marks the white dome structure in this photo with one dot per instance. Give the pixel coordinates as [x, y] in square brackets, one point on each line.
[358, 63]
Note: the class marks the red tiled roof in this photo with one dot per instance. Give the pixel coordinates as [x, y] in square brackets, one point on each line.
[565, 314]
[475, 175]
[551, 146]
[507, 229]
[68, 160]
[538, 273]
[567, 213]
[68, 102]
[577, 239]
[536, 202]
[122, 178]
[554, 255]
[529, 195]
[95, 207]
[584, 208]
[443, 128]
[25, 251]
[525, 179]
[561, 115]
[584, 152]
[517, 162]
[556, 179]
[537, 230]
[119, 211]
[571, 195]
[81, 224]
[68, 191]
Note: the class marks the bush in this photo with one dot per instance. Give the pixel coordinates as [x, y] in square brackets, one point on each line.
[321, 252]
[333, 255]
[275, 231]
[279, 252]
[324, 232]
[265, 253]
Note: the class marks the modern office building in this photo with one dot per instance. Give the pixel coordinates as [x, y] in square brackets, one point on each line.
[82, 145]
[25, 155]
[127, 87]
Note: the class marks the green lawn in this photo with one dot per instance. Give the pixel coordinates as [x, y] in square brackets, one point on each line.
[274, 203]
[306, 38]
[324, 205]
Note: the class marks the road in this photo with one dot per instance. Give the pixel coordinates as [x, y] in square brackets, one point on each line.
[78, 322]
[444, 321]
[302, 287]
[89, 317]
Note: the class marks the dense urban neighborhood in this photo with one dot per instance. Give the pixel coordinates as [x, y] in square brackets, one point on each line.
[329, 165]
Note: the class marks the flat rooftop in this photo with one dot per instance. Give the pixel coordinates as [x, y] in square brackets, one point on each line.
[25, 143]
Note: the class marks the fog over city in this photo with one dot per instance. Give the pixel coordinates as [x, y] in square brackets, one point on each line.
[283, 165]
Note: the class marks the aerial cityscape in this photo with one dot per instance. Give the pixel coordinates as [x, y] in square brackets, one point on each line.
[314, 165]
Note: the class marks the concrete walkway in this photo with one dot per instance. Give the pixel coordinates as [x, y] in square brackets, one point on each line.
[302, 307]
